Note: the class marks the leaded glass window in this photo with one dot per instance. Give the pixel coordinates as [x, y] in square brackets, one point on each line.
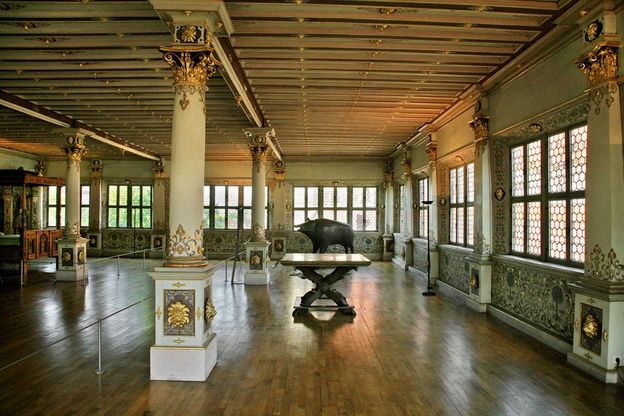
[423, 210]
[85, 191]
[129, 206]
[462, 205]
[335, 203]
[229, 207]
[548, 197]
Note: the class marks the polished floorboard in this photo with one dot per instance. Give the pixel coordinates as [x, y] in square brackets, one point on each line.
[403, 354]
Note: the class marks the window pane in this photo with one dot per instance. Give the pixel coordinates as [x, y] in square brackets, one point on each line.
[342, 197]
[371, 197]
[423, 192]
[62, 216]
[577, 239]
[557, 163]
[534, 243]
[52, 217]
[299, 217]
[112, 217]
[517, 171]
[206, 196]
[52, 191]
[206, 218]
[453, 227]
[112, 195]
[313, 194]
[84, 216]
[299, 197]
[247, 219]
[341, 215]
[266, 198]
[220, 217]
[470, 225]
[423, 222]
[557, 229]
[517, 227]
[453, 186]
[232, 196]
[470, 184]
[371, 220]
[460, 226]
[147, 196]
[123, 195]
[328, 197]
[136, 218]
[357, 220]
[460, 186]
[312, 214]
[84, 195]
[147, 218]
[123, 217]
[578, 156]
[358, 197]
[266, 219]
[63, 194]
[232, 218]
[247, 196]
[136, 195]
[328, 214]
[534, 167]
[220, 196]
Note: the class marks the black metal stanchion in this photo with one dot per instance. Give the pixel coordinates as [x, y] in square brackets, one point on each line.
[429, 291]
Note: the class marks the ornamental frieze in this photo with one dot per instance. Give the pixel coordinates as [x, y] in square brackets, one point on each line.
[604, 267]
[183, 244]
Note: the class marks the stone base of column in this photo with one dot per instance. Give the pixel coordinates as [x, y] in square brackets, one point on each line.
[72, 255]
[278, 247]
[388, 247]
[185, 349]
[257, 270]
[480, 287]
[183, 363]
[598, 332]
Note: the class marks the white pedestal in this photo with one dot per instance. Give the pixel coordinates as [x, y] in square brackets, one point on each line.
[278, 247]
[257, 270]
[480, 287]
[185, 349]
[388, 247]
[72, 255]
[183, 363]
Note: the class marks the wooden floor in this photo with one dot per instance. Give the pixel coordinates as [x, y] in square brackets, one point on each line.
[404, 354]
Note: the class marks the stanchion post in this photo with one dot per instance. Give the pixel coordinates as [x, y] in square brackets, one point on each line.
[118, 266]
[143, 259]
[226, 260]
[99, 370]
[84, 274]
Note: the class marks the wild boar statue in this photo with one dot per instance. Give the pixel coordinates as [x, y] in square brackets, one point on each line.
[324, 233]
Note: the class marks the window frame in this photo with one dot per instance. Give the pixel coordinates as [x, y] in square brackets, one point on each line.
[130, 207]
[465, 205]
[240, 207]
[423, 226]
[545, 197]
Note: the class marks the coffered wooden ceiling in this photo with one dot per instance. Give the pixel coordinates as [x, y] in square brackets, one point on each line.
[334, 78]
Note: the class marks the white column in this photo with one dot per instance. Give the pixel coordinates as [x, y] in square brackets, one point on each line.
[388, 237]
[185, 349]
[278, 212]
[434, 232]
[408, 202]
[72, 249]
[94, 234]
[598, 302]
[257, 249]
[158, 207]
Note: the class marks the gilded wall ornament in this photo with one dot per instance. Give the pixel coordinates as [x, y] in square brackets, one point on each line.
[158, 169]
[96, 169]
[158, 313]
[190, 34]
[209, 311]
[480, 127]
[255, 260]
[499, 194]
[600, 66]
[279, 170]
[178, 314]
[593, 31]
[432, 151]
[480, 146]
[474, 282]
[590, 326]
[182, 244]
[603, 267]
[40, 167]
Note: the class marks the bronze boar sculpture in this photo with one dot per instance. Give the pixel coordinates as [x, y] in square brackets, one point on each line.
[324, 233]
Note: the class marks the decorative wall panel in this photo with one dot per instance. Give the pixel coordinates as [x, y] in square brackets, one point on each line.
[179, 313]
[126, 240]
[454, 268]
[420, 254]
[538, 297]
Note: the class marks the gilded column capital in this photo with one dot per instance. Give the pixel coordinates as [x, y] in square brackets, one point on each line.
[158, 169]
[479, 126]
[432, 151]
[407, 165]
[40, 168]
[75, 150]
[279, 170]
[259, 155]
[600, 66]
[96, 169]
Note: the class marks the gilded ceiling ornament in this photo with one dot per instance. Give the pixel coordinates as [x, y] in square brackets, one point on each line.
[178, 314]
[182, 244]
[604, 267]
[191, 67]
[209, 311]
[188, 34]
[590, 327]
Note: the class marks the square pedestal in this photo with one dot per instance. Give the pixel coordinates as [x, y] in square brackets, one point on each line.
[183, 363]
[257, 269]
[278, 247]
[72, 255]
[480, 287]
[388, 247]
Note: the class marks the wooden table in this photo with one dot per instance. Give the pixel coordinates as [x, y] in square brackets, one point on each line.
[308, 264]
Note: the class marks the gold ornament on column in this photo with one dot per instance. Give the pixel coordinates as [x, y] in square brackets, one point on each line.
[158, 169]
[480, 128]
[259, 154]
[432, 151]
[40, 168]
[74, 151]
[279, 170]
[600, 66]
